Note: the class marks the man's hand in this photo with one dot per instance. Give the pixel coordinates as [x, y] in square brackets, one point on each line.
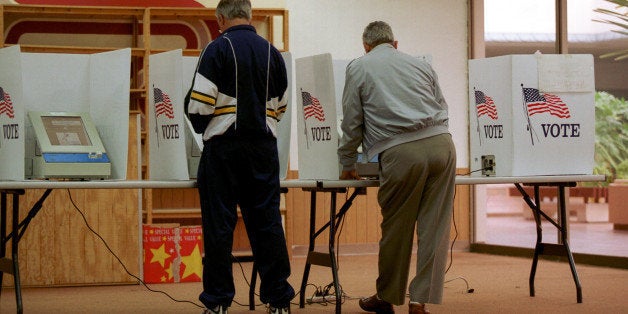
[349, 175]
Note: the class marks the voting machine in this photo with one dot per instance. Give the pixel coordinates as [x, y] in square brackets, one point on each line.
[68, 147]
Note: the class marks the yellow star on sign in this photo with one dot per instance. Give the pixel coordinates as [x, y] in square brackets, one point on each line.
[193, 263]
[160, 255]
[169, 272]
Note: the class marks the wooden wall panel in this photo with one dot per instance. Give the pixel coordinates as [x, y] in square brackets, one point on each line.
[362, 222]
[57, 249]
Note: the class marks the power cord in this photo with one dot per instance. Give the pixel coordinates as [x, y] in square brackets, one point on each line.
[470, 172]
[469, 290]
[120, 261]
[144, 283]
[325, 295]
[248, 283]
[451, 249]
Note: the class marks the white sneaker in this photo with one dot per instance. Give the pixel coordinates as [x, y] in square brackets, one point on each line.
[275, 310]
[219, 309]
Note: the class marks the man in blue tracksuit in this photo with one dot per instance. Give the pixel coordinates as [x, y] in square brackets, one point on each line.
[237, 98]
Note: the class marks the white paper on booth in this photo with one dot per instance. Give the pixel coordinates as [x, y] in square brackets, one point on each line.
[12, 115]
[566, 73]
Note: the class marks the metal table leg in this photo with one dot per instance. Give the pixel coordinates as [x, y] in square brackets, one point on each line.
[560, 249]
[327, 259]
[11, 265]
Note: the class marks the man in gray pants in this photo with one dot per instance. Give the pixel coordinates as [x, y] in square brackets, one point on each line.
[393, 106]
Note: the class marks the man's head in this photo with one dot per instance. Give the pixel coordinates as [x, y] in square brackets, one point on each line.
[233, 12]
[377, 33]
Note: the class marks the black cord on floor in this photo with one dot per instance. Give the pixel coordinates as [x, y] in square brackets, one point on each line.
[144, 283]
[120, 261]
[249, 285]
[451, 249]
[325, 293]
[453, 218]
[469, 290]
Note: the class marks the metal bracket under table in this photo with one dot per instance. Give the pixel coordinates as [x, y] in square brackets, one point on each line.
[552, 249]
[11, 265]
[326, 259]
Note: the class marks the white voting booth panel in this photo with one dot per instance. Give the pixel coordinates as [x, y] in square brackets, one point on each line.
[532, 115]
[97, 84]
[284, 127]
[193, 141]
[11, 115]
[166, 117]
[317, 129]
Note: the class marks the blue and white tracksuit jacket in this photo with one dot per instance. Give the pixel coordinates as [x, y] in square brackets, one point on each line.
[240, 81]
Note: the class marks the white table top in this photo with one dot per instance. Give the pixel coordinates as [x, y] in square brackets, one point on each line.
[473, 180]
[125, 184]
[291, 183]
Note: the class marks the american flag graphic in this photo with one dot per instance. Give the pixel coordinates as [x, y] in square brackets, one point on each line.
[163, 105]
[538, 103]
[312, 107]
[6, 106]
[485, 105]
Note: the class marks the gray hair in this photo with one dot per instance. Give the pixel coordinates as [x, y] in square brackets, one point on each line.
[376, 33]
[232, 9]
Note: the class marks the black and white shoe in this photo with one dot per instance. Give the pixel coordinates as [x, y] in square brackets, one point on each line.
[278, 310]
[218, 309]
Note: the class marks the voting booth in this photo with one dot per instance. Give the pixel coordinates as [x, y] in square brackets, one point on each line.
[167, 160]
[317, 125]
[64, 116]
[12, 115]
[532, 115]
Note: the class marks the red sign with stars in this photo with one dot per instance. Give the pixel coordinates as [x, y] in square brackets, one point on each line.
[172, 254]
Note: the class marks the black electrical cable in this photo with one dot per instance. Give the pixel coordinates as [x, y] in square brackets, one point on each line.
[120, 261]
[451, 249]
[139, 279]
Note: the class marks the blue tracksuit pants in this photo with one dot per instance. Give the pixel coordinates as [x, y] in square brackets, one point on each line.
[242, 171]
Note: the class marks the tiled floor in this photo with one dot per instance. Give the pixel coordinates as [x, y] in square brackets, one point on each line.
[509, 223]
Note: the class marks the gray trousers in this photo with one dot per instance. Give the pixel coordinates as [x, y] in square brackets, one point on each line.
[416, 190]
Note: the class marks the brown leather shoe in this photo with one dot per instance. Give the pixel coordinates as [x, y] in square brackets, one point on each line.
[373, 304]
[418, 308]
